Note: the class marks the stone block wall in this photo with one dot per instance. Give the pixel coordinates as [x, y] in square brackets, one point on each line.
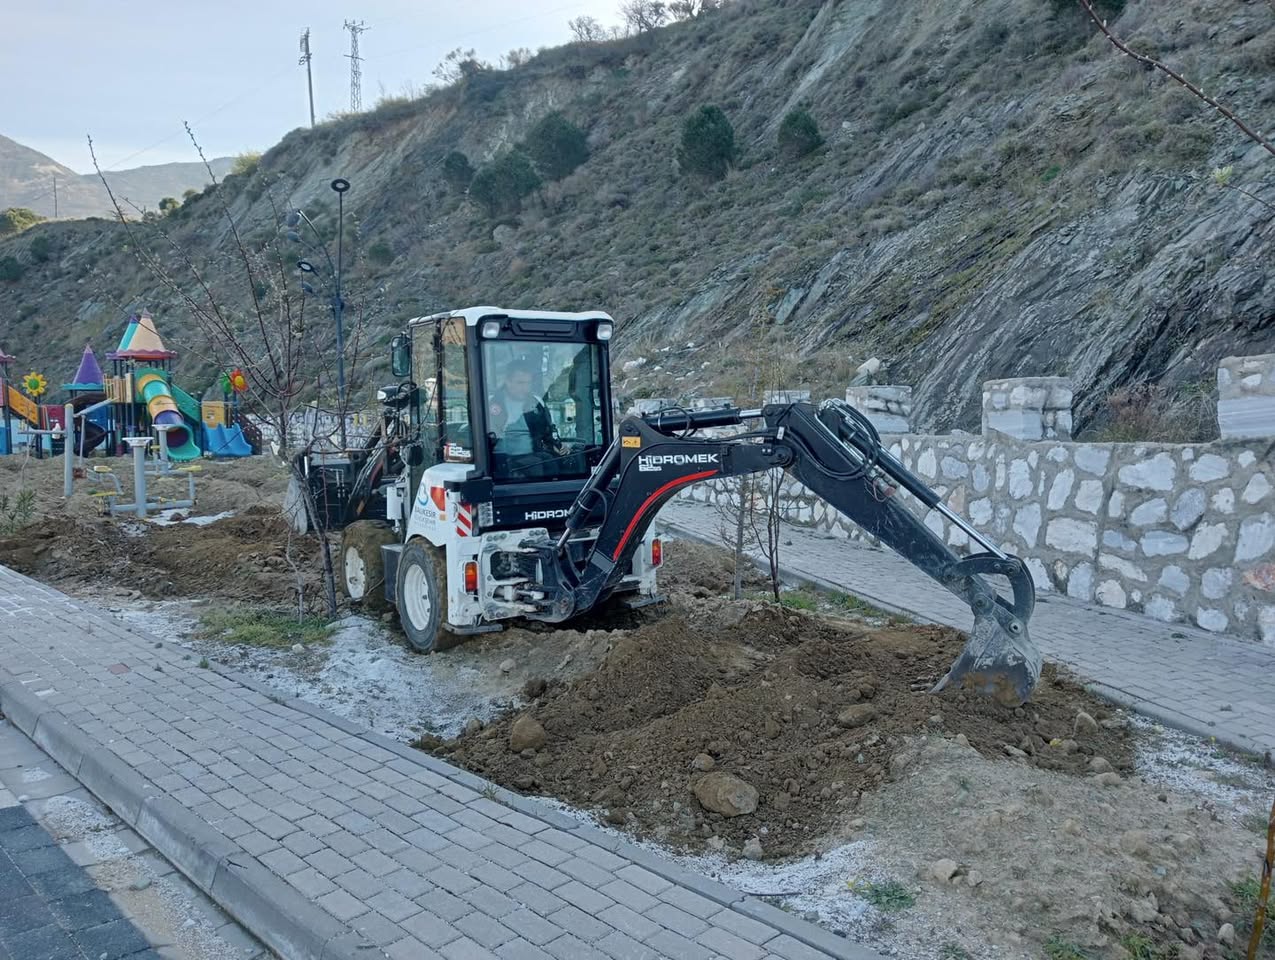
[1178, 532]
[889, 408]
[1246, 396]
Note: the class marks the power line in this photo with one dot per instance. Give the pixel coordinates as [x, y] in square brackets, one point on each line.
[305, 61]
[356, 68]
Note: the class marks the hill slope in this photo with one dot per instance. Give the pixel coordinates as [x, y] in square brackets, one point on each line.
[1000, 194]
[26, 180]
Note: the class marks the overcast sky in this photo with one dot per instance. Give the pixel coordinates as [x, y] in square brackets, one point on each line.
[130, 71]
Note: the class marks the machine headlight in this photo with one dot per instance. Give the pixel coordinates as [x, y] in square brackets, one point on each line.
[491, 329]
[605, 330]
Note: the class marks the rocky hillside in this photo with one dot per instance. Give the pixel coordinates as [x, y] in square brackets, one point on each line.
[26, 180]
[999, 194]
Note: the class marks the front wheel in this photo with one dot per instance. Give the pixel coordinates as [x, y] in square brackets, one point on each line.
[422, 597]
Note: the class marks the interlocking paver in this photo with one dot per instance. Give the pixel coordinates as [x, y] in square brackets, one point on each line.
[417, 858]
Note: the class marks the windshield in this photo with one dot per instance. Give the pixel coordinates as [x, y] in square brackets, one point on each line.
[544, 409]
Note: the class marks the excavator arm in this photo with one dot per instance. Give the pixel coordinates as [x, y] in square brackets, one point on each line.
[835, 452]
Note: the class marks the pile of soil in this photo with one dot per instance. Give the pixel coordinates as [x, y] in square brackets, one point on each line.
[810, 711]
[244, 557]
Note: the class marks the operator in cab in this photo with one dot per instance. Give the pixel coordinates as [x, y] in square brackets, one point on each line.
[523, 431]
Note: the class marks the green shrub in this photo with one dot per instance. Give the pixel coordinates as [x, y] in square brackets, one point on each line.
[708, 143]
[168, 204]
[245, 163]
[17, 219]
[499, 187]
[799, 134]
[381, 253]
[41, 249]
[10, 270]
[557, 146]
[457, 171]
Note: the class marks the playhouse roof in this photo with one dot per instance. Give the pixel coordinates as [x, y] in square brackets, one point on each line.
[89, 374]
[141, 341]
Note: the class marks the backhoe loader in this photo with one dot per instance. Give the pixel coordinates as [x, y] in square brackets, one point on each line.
[502, 487]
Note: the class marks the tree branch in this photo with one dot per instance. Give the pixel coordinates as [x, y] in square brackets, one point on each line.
[1142, 58]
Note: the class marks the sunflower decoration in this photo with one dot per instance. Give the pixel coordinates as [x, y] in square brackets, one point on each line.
[235, 381]
[35, 384]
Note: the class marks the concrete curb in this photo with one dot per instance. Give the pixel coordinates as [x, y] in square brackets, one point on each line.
[1139, 705]
[273, 911]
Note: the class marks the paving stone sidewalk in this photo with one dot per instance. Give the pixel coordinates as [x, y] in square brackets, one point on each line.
[1201, 682]
[328, 841]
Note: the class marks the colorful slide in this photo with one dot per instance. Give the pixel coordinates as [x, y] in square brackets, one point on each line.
[153, 390]
[228, 442]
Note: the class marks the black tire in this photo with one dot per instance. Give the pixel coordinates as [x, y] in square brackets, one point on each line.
[422, 598]
[361, 567]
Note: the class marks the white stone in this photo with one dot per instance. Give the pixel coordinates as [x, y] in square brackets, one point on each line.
[1000, 473]
[1154, 474]
[1089, 496]
[981, 479]
[1027, 523]
[1118, 541]
[1210, 467]
[1115, 506]
[1057, 455]
[1266, 624]
[1223, 501]
[1092, 459]
[1256, 489]
[1109, 561]
[1246, 459]
[1210, 619]
[1017, 422]
[1060, 490]
[1257, 536]
[934, 520]
[1216, 582]
[1160, 543]
[1111, 594]
[1161, 608]
[1072, 536]
[1020, 479]
[925, 464]
[981, 512]
[1175, 579]
[1080, 583]
[1188, 508]
[1040, 576]
[1208, 537]
[1149, 513]
[1252, 381]
[1247, 417]
[954, 469]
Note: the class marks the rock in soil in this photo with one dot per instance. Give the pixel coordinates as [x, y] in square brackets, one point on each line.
[526, 734]
[725, 794]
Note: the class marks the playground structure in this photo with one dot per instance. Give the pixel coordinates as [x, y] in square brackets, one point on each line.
[137, 396]
[161, 468]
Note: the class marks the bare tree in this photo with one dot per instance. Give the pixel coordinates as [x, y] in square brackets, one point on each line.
[259, 325]
[515, 58]
[586, 29]
[459, 65]
[690, 9]
[642, 16]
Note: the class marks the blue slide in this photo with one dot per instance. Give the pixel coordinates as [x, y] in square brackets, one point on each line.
[227, 442]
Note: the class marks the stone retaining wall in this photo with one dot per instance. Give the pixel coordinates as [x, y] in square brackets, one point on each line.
[1179, 532]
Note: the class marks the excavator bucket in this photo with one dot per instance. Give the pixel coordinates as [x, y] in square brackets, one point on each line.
[1000, 660]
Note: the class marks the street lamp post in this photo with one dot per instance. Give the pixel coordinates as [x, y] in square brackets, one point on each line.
[340, 185]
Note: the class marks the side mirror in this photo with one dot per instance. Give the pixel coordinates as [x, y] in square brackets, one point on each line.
[414, 455]
[401, 356]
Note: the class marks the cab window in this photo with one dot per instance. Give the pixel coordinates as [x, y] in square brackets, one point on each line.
[457, 436]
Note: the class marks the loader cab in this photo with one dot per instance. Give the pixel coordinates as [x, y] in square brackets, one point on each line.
[518, 401]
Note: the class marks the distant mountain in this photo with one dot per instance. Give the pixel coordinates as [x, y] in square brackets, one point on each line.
[27, 176]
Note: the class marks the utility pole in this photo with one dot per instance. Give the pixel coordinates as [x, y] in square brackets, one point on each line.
[55, 196]
[356, 71]
[305, 61]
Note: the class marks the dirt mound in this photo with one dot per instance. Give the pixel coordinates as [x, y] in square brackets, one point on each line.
[811, 711]
[244, 557]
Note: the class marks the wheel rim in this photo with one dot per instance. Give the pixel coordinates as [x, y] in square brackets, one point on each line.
[416, 598]
[355, 573]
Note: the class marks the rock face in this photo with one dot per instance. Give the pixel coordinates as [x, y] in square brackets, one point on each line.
[726, 794]
[526, 734]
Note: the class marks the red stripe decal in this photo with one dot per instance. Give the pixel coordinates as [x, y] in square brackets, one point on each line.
[680, 482]
[463, 520]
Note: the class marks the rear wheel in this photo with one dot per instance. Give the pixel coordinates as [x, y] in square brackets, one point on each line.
[362, 569]
[422, 597]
